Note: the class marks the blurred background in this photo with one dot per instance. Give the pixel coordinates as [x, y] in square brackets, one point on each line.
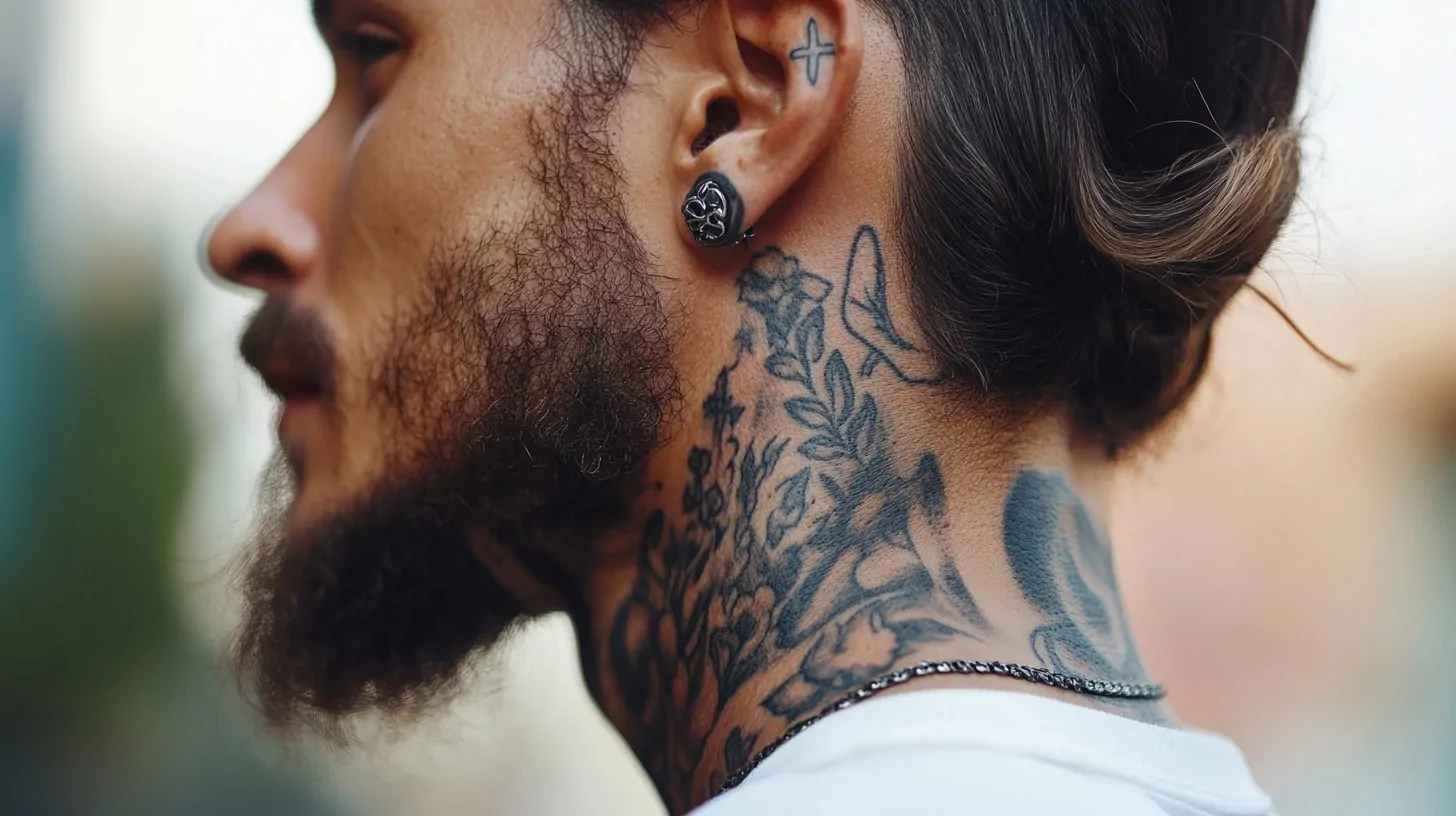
[1289, 554]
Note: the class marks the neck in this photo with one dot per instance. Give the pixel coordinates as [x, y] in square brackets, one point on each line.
[837, 514]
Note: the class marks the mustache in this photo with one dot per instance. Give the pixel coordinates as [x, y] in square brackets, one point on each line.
[280, 336]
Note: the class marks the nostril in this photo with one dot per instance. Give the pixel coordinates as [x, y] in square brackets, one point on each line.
[260, 265]
[257, 269]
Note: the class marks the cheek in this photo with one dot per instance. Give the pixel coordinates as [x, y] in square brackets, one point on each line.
[427, 175]
[436, 168]
[386, 217]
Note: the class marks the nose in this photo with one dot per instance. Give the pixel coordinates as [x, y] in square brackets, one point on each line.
[273, 239]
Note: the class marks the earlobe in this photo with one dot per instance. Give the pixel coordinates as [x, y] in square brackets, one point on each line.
[786, 71]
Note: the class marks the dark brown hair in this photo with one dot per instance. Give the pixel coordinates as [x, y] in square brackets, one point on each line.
[1086, 185]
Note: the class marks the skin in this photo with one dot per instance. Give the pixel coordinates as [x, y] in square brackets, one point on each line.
[885, 516]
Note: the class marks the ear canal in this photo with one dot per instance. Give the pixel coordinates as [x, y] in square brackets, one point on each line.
[722, 119]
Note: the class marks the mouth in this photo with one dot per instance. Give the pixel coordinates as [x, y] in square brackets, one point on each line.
[301, 396]
[289, 349]
[290, 384]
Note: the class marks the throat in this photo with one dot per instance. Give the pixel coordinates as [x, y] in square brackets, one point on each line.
[812, 536]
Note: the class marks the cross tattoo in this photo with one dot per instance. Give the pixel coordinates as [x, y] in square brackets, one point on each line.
[813, 51]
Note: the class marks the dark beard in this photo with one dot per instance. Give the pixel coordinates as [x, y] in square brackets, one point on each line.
[534, 381]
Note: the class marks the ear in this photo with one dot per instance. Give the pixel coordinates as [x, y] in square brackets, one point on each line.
[774, 82]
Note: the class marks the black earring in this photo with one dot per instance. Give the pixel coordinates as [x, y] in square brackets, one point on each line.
[714, 212]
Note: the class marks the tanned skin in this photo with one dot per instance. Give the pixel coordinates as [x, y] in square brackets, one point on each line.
[514, 385]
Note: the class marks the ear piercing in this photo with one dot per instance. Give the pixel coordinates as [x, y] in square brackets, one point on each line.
[713, 211]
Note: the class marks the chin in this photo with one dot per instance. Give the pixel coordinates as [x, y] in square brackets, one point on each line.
[305, 500]
[315, 502]
[301, 515]
[361, 597]
[313, 491]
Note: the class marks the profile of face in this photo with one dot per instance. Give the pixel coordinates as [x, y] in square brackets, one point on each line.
[493, 281]
[462, 324]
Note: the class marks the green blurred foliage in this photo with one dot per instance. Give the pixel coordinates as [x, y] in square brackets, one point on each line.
[94, 601]
[107, 706]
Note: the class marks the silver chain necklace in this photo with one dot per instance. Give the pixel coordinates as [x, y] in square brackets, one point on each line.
[1046, 677]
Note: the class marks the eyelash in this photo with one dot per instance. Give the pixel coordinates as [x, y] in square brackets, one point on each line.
[368, 49]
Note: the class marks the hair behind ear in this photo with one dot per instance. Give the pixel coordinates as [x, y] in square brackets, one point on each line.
[1190, 183]
[1087, 186]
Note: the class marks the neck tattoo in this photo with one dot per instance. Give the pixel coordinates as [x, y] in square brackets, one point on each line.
[800, 565]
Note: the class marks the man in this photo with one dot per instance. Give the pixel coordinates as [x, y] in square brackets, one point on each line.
[787, 347]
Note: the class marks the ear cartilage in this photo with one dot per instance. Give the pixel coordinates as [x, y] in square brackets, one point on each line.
[713, 211]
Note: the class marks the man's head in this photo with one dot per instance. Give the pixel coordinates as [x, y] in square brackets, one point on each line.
[462, 324]
[484, 308]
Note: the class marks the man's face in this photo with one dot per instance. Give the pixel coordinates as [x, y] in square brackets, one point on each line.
[462, 323]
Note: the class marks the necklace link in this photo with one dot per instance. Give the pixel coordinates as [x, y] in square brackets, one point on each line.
[1031, 674]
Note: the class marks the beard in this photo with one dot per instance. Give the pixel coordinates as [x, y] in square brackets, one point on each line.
[531, 384]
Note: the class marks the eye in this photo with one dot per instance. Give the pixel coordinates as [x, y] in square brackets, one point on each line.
[370, 46]
[368, 49]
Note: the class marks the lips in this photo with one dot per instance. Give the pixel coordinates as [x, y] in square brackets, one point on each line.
[289, 382]
[290, 350]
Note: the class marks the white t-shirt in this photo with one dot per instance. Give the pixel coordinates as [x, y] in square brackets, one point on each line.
[997, 753]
